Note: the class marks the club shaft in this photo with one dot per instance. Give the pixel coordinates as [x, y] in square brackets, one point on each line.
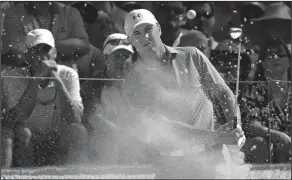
[237, 86]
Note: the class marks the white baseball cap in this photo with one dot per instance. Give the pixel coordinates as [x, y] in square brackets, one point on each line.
[136, 18]
[115, 42]
[39, 36]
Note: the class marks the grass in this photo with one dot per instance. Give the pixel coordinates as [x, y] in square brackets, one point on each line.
[282, 171]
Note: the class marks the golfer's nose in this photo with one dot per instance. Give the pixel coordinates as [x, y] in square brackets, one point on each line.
[147, 35]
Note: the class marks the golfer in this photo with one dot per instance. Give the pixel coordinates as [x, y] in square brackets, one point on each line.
[191, 68]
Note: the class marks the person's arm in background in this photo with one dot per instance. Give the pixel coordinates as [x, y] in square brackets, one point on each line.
[77, 44]
[211, 80]
[18, 106]
[69, 93]
[248, 100]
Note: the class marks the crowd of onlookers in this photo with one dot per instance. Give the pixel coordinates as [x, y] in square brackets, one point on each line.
[72, 40]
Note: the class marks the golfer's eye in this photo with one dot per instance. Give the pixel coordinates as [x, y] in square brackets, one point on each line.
[136, 33]
[149, 28]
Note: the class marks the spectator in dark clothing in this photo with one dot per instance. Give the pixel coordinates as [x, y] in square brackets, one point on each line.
[91, 64]
[128, 5]
[225, 59]
[204, 20]
[276, 15]
[63, 21]
[259, 102]
[196, 39]
[170, 16]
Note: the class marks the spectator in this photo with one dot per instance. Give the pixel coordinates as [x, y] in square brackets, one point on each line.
[41, 116]
[116, 14]
[204, 20]
[225, 59]
[128, 6]
[196, 39]
[95, 20]
[259, 102]
[63, 21]
[92, 63]
[118, 59]
[170, 16]
[276, 15]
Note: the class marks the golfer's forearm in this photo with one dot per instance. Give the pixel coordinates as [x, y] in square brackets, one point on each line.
[191, 134]
[230, 111]
[24, 107]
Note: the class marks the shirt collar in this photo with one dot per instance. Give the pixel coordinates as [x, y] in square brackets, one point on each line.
[170, 53]
[54, 9]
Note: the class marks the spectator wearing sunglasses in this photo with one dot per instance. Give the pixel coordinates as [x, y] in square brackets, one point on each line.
[204, 20]
[170, 16]
[196, 39]
[41, 117]
[118, 54]
[262, 103]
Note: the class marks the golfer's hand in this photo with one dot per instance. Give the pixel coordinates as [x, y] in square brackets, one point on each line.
[230, 136]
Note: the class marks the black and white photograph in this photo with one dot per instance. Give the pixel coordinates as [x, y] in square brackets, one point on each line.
[146, 89]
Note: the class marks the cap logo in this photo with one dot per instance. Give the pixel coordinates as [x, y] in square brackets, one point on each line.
[137, 16]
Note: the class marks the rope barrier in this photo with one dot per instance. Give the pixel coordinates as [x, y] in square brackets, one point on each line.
[108, 79]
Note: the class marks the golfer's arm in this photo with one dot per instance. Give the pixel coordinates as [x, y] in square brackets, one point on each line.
[226, 97]
[211, 79]
[193, 135]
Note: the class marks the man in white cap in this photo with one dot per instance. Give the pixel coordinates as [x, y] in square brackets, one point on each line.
[118, 53]
[42, 108]
[104, 140]
[191, 70]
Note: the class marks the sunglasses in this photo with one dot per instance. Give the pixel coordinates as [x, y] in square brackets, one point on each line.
[115, 42]
[275, 56]
[41, 48]
[206, 15]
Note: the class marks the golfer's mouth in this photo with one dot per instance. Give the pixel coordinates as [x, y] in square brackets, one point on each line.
[147, 44]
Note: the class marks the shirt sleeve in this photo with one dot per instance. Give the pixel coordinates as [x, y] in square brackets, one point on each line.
[210, 77]
[76, 27]
[71, 81]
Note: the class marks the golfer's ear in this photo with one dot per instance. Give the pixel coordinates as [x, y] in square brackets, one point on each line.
[54, 51]
[159, 28]
[129, 39]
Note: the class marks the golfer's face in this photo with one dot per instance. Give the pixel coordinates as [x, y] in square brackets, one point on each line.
[144, 37]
